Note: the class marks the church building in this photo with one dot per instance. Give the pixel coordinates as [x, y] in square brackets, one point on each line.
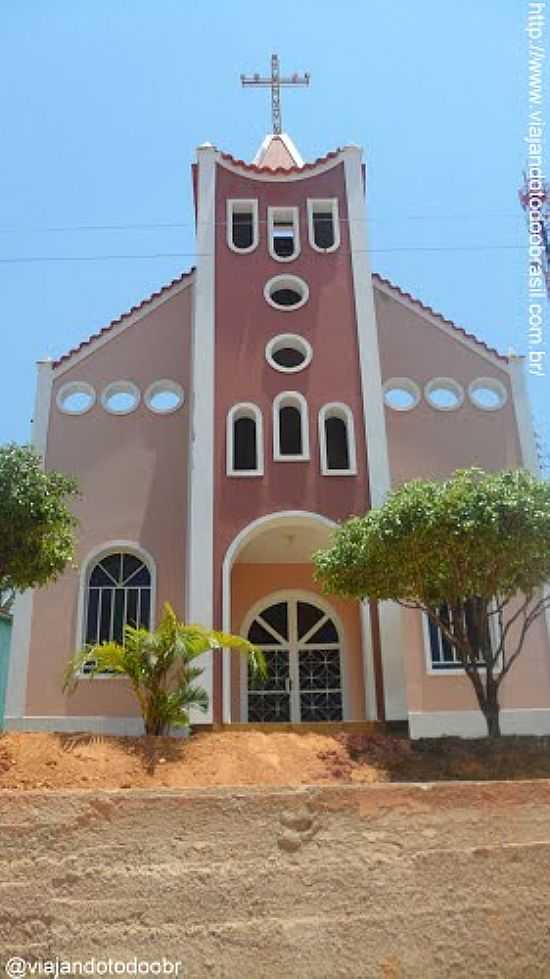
[219, 431]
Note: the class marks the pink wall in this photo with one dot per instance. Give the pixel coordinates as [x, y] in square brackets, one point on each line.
[426, 442]
[245, 323]
[132, 472]
[253, 582]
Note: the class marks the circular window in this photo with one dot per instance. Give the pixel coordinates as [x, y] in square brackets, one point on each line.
[401, 394]
[487, 393]
[444, 394]
[76, 398]
[288, 353]
[286, 292]
[120, 397]
[163, 397]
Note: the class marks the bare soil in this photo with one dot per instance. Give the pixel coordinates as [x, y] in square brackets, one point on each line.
[227, 758]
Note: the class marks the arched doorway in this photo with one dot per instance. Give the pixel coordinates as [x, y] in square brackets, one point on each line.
[301, 638]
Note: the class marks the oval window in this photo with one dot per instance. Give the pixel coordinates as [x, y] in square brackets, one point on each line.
[444, 394]
[286, 292]
[76, 398]
[120, 398]
[401, 394]
[288, 353]
[487, 393]
[164, 397]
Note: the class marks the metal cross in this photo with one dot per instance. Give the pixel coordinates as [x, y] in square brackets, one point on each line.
[275, 83]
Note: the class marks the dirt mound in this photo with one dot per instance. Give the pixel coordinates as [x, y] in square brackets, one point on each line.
[213, 758]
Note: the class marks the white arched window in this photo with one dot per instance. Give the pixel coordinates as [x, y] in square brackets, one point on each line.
[118, 590]
[337, 440]
[290, 427]
[245, 448]
[242, 225]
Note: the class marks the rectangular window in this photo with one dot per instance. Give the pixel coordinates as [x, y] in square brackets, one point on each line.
[324, 225]
[242, 225]
[443, 654]
[284, 233]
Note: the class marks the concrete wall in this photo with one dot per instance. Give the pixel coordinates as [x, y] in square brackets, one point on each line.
[386, 881]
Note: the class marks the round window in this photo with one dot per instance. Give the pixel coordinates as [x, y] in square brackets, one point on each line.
[120, 398]
[164, 397]
[487, 393]
[401, 394]
[288, 353]
[444, 394]
[76, 398]
[286, 292]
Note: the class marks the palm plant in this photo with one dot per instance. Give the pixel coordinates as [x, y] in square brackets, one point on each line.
[161, 667]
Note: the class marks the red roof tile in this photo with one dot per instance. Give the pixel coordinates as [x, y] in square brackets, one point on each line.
[123, 316]
[255, 168]
[439, 316]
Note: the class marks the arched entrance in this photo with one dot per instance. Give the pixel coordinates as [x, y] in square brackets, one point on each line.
[302, 641]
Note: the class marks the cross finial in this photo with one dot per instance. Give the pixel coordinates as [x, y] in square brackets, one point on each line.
[275, 83]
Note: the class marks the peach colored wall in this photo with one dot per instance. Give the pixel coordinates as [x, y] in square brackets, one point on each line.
[252, 582]
[245, 323]
[426, 442]
[132, 472]
[527, 684]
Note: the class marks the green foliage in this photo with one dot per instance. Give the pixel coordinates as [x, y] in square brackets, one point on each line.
[36, 525]
[474, 534]
[476, 545]
[161, 667]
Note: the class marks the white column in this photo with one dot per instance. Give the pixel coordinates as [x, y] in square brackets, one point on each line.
[200, 525]
[16, 692]
[526, 432]
[375, 424]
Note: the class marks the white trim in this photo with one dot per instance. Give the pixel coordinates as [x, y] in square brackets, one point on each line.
[199, 576]
[524, 418]
[89, 562]
[288, 144]
[120, 387]
[471, 723]
[127, 320]
[244, 409]
[336, 409]
[75, 387]
[92, 724]
[444, 383]
[249, 533]
[158, 387]
[295, 342]
[288, 399]
[374, 419]
[330, 203]
[294, 213]
[286, 282]
[20, 646]
[403, 384]
[285, 176]
[297, 595]
[369, 679]
[491, 384]
[455, 332]
[242, 205]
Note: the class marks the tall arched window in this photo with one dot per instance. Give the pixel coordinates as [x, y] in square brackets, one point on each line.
[245, 441]
[290, 427]
[118, 593]
[337, 441]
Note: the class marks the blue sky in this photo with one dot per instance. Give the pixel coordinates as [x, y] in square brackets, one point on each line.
[104, 101]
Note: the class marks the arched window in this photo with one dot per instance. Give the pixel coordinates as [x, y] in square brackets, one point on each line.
[290, 427]
[118, 593]
[337, 441]
[245, 452]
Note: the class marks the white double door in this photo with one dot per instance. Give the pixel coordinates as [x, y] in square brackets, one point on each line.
[302, 647]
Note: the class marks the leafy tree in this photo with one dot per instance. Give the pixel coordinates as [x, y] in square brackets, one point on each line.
[472, 552]
[36, 525]
[161, 667]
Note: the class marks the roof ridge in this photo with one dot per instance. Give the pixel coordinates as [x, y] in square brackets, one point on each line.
[439, 316]
[119, 319]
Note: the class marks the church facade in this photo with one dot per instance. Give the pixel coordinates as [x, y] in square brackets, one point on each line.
[219, 431]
